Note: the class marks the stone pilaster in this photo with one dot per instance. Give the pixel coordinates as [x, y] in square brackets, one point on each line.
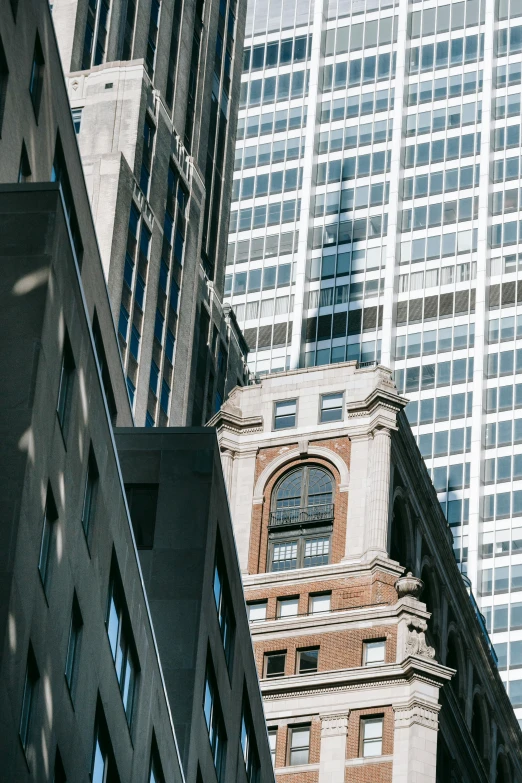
[415, 742]
[227, 461]
[379, 486]
[358, 498]
[333, 748]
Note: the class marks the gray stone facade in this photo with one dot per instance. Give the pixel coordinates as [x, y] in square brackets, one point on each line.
[164, 263]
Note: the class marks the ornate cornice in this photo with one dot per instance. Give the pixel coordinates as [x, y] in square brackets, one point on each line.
[229, 417]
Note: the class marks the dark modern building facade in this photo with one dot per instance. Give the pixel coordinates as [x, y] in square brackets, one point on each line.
[182, 525]
[83, 685]
[154, 89]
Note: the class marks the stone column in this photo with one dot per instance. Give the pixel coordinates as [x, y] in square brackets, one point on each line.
[227, 459]
[332, 760]
[379, 487]
[358, 496]
[415, 742]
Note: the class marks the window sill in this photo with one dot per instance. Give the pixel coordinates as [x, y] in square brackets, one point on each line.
[369, 760]
[296, 768]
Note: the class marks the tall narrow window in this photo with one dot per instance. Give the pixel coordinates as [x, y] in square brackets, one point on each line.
[122, 643]
[103, 765]
[215, 725]
[37, 74]
[89, 497]
[156, 771]
[59, 775]
[224, 608]
[371, 736]
[24, 172]
[60, 174]
[95, 31]
[248, 744]
[4, 78]
[173, 55]
[77, 119]
[150, 57]
[193, 74]
[142, 500]
[66, 386]
[73, 645]
[149, 132]
[128, 31]
[299, 745]
[50, 517]
[29, 697]
[272, 739]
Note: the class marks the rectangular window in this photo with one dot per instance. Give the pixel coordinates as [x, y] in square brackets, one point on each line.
[29, 697]
[284, 556]
[299, 745]
[142, 500]
[272, 740]
[316, 552]
[89, 497]
[332, 407]
[285, 414]
[224, 608]
[37, 74]
[66, 385]
[50, 517]
[320, 603]
[121, 643]
[73, 645]
[274, 665]
[371, 736]
[287, 607]
[103, 765]
[374, 652]
[77, 119]
[307, 660]
[256, 611]
[4, 78]
[215, 725]
[156, 771]
[248, 744]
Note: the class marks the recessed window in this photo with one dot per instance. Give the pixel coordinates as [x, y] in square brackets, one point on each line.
[320, 603]
[374, 652]
[24, 171]
[299, 745]
[307, 660]
[156, 771]
[73, 645]
[285, 414]
[256, 611]
[223, 602]
[142, 500]
[77, 119]
[272, 740]
[371, 736]
[103, 766]
[89, 497]
[122, 644]
[215, 725]
[248, 744]
[59, 775]
[29, 697]
[287, 607]
[50, 517]
[4, 78]
[66, 385]
[331, 407]
[37, 74]
[275, 664]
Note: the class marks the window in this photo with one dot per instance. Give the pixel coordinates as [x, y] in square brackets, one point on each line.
[89, 497]
[103, 765]
[307, 660]
[299, 745]
[59, 174]
[37, 73]
[248, 744]
[301, 520]
[272, 741]
[59, 775]
[142, 500]
[285, 414]
[24, 171]
[121, 643]
[50, 517]
[320, 603]
[29, 697]
[256, 611]
[374, 652]
[215, 726]
[4, 78]
[331, 407]
[224, 608]
[73, 645]
[274, 664]
[371, 736]
[287, 607]
[104, 368]
[77, 119]
[66, 384]
[156, 771]
[95, 28]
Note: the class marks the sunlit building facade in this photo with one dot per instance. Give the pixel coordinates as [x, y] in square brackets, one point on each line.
[375, 218]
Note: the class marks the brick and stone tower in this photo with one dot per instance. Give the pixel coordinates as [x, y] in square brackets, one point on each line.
[374, 660]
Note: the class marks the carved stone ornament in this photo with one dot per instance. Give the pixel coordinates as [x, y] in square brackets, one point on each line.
[409, 585]
[334, 725]
[416, 639]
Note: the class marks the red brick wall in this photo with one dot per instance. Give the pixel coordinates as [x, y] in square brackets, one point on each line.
[354, 726]
[283, 750]
[370, 773]
[260, 513]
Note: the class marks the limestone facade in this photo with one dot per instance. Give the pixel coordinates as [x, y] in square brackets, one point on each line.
[374, 662]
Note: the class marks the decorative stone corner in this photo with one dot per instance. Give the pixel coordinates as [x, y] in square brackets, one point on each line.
[334, 725]
[416, 638]
[409, 585]
[416, 712]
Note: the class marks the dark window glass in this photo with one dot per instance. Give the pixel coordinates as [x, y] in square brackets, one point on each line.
[142, 500]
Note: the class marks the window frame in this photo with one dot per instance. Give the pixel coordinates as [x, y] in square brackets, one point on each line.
[291, 730]
[311, 596]
[272, 732]
[214, 722]
[273, 653]
[322, 397]
[89, 495]
[250, 604]
[36, 77]
[124, 651]
[29, 697]
[367, 720]
[275, 416]
[223, 604]
[65, 387]
[73, 647]
[50, 517]
[366, 644]
[299, 652]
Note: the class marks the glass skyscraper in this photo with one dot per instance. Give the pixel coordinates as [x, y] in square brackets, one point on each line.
[375, 217]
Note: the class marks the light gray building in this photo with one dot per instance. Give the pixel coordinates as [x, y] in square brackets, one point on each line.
[376, 218]
[154, 93]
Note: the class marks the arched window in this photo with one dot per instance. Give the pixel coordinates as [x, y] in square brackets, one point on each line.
[301, 519]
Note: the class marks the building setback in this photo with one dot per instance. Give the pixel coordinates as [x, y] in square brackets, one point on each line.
[179, 508]
[394, 146]
[83, 685]
[154, 93]
[374, 660]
